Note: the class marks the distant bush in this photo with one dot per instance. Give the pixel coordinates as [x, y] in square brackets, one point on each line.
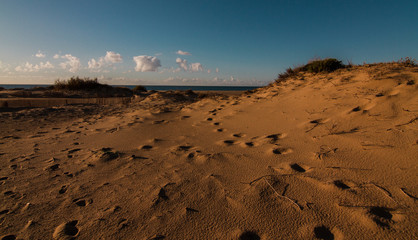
[2, 88]
[410, 62]
[315, 66]
[76, 83]
[139, 89]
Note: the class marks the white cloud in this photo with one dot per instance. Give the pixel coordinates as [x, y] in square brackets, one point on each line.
[106, 61]
[146, 63]
[217, 70]
[180, 52]
[28, 67]
[93, 64]
[209, 71]
[182, 63]
[56, 56]
[112, 57]
[40, 54]
[193, 67]
[196, 67]
[72, 64]
[4, 67]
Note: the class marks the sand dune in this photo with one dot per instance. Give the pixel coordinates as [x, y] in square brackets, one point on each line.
[325, 156]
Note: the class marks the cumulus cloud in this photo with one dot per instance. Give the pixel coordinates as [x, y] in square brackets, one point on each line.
[180, 52]
[217, 70]
[72, 64]
[196, 67]
[193, 67]
[40, 54]
[182, 63]
[112, 57]
[106, 61]
[28, 67]
[146, 63]
[56, 56]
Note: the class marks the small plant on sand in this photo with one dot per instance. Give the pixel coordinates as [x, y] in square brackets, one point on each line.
[76, 83]
[139, 89]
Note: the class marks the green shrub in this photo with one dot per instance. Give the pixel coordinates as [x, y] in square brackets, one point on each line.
[316, 66]
[139, 89]
[326, 65]
[76, 83]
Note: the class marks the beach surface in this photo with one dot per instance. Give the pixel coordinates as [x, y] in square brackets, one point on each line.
[319, 156]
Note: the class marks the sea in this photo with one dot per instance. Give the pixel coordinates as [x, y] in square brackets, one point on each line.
[152, 87]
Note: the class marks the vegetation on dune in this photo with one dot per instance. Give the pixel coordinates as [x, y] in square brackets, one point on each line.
[314, 66]
[76, 83]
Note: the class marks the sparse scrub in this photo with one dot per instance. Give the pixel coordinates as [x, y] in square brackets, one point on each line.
[315, 66]
[326, 65]
[76, 83]
[410, 62]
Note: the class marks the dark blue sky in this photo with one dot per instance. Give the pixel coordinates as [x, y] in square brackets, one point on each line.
[249, 42]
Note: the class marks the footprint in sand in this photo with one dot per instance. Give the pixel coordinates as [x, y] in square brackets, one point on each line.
[249, 235]
[66, 231]
[282, 151]
[146, 147]
[63, 189]
[238, 135]
[159, 121]
[220, 130]
[296, 167]
[183, 148]
[248, 144]
[229, 142]
[82, 202]
[209, 119]
[216, 123]
[273, 138]
[341, 185]
[322, 232]
[381, 216]
[8, 237]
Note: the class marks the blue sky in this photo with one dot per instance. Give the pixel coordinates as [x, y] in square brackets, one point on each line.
[206, 42]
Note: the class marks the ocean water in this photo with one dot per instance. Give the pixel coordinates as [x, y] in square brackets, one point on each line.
[153, 87]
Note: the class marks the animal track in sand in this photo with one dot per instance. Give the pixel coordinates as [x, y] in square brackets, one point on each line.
[216, 123]
[322, 232]
[66, 231]
[209, 119]
[184, 117]
[282, 151]
[220, 130]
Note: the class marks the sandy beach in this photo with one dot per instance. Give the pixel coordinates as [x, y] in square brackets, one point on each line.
[319, 156]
